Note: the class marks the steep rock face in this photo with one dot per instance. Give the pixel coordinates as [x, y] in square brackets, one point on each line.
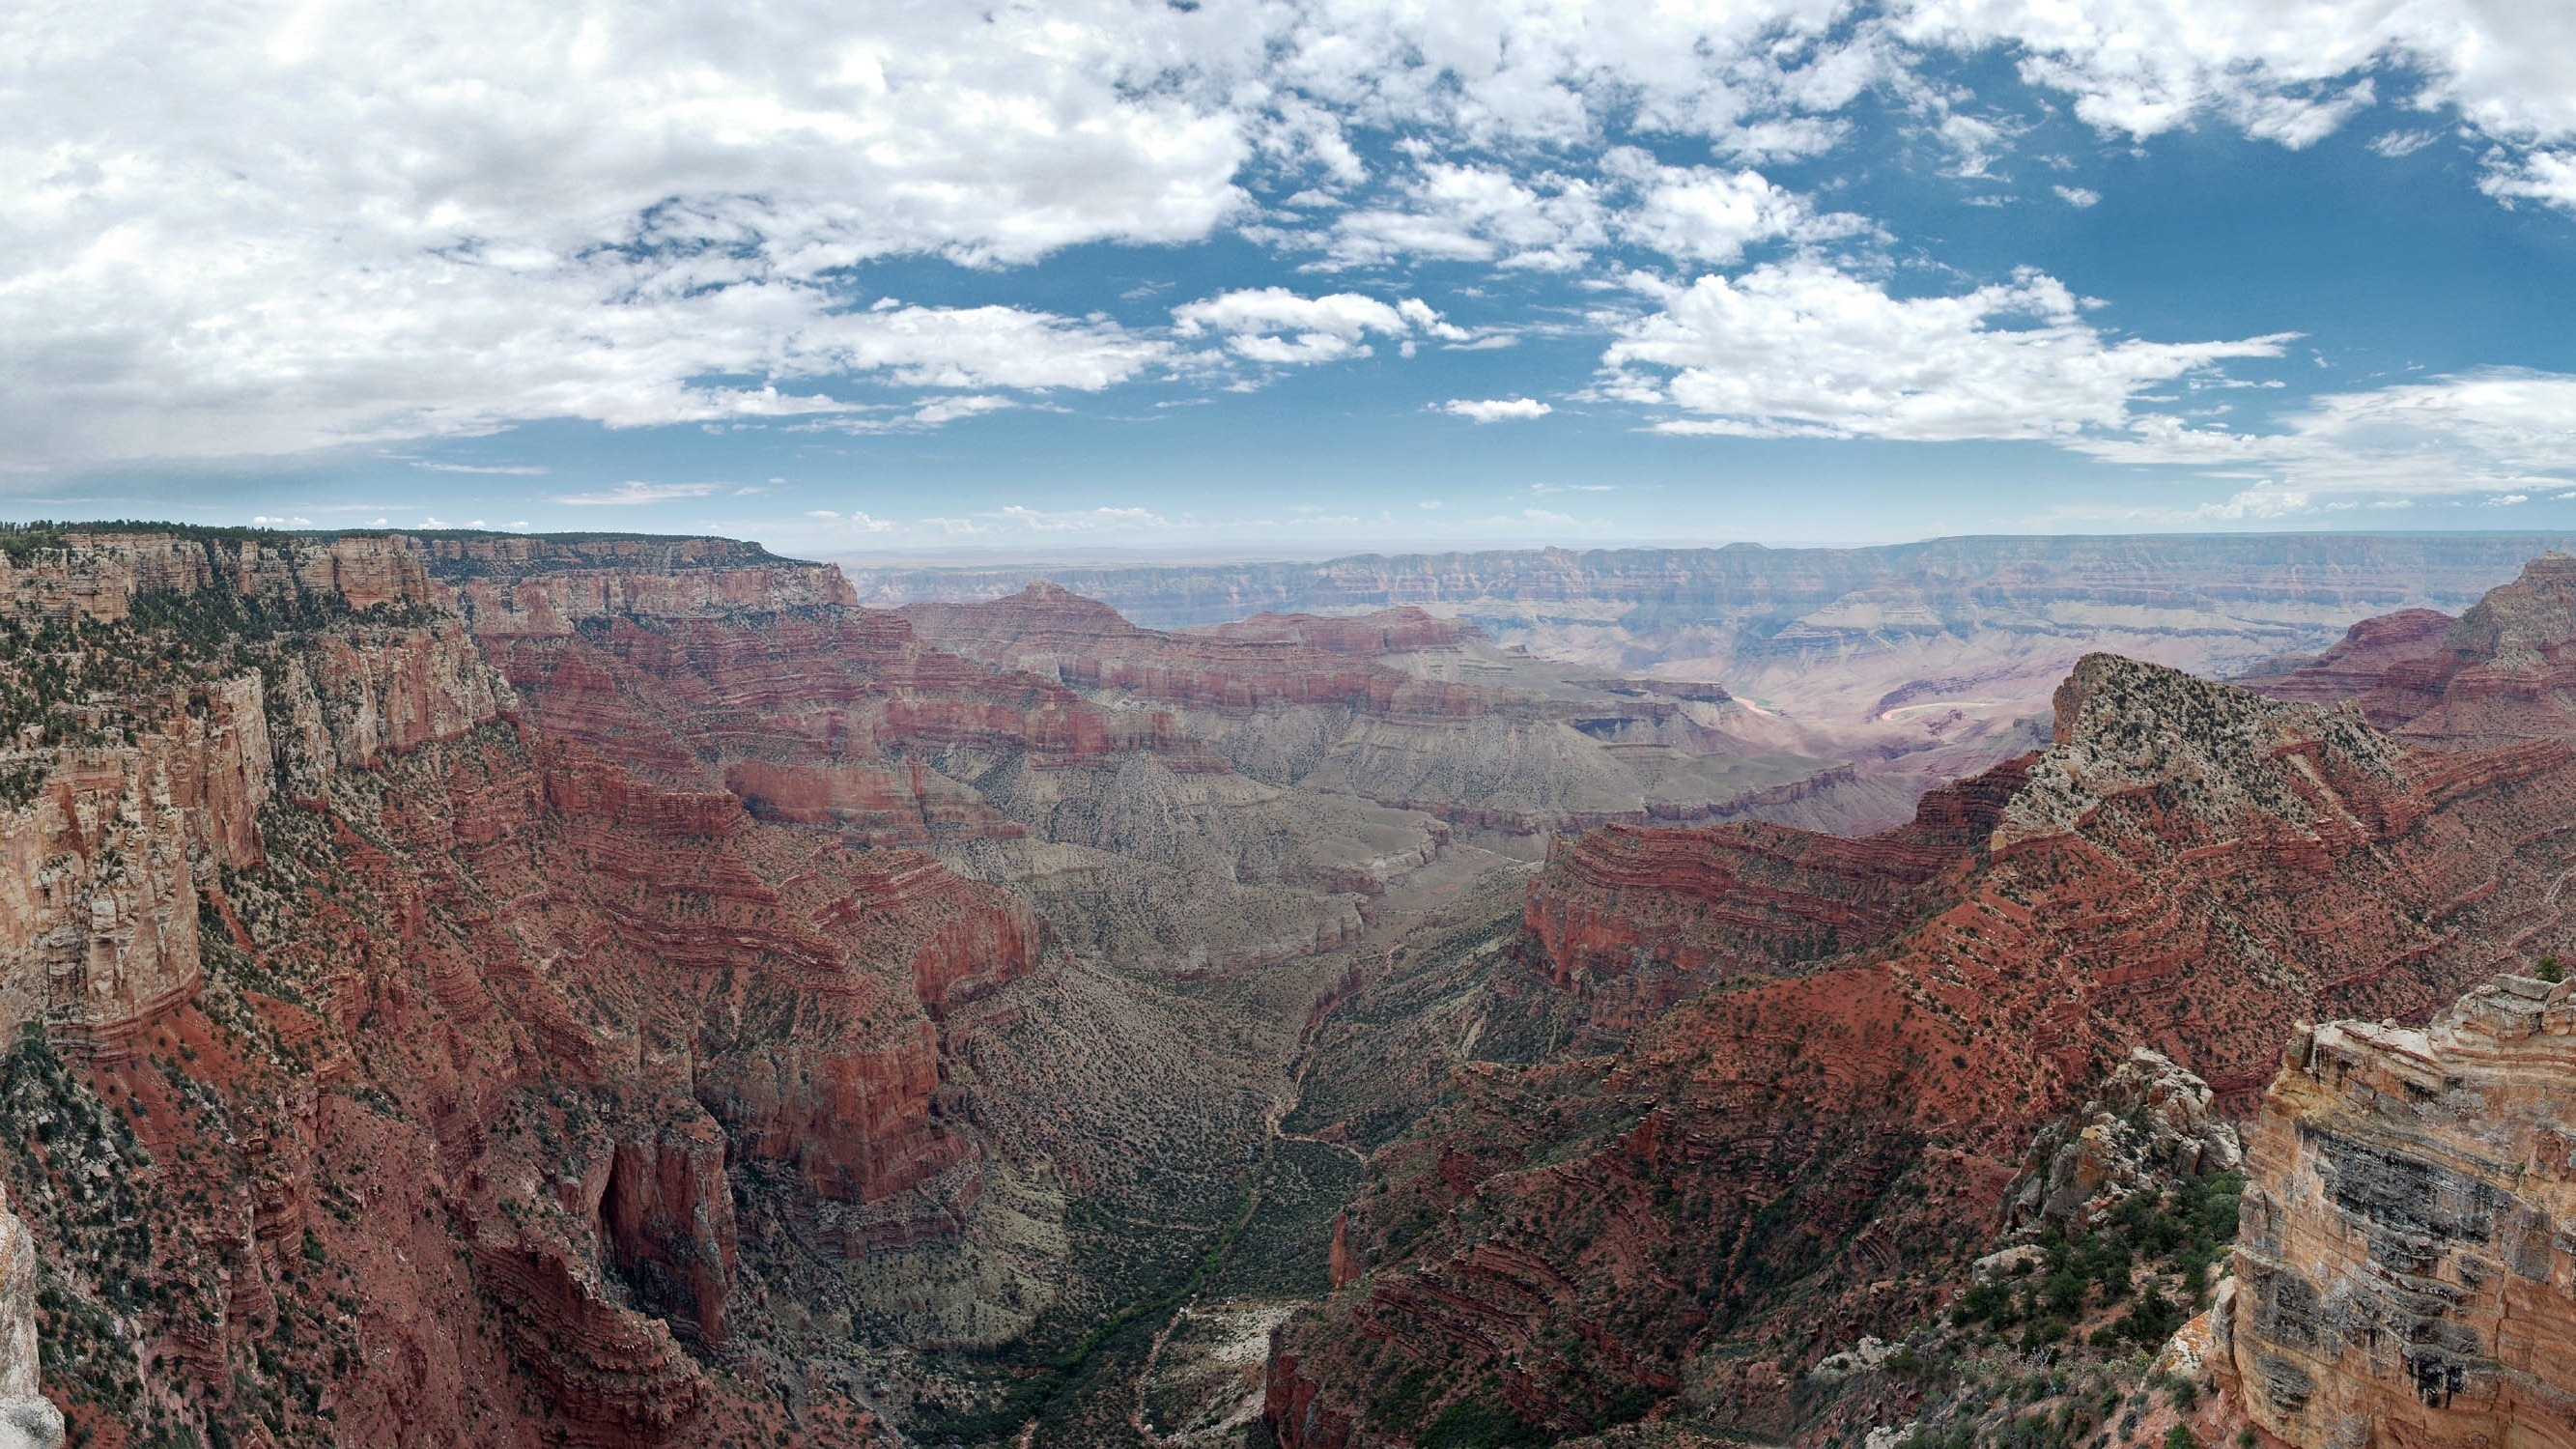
[433, 1043]
[1135, 836]
[97, 574]
[27, 1419]
[2404, 1271]
[99, 912]
[2506, 671]
[1638, 918]
[2186, 868]
[1404, 710]
[2356, 662]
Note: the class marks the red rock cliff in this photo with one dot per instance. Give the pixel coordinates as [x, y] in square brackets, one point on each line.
[2187, 868]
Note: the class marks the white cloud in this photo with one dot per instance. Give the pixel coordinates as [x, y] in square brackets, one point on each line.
[1080, 520]
[631, 494]
[338, 225]
[2394, 144]
[1804, 350]
[2543, 176]
[2500, 430]
[1553, 222]
[520, 470]
[1547, 222]
[2077, 196]
[263, 520]
[359, 223]
[1695, 214]
[2290, 73]
[1275, 325]
[1496, 409]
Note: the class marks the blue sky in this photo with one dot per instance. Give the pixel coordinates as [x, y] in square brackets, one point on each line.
[1293, 277]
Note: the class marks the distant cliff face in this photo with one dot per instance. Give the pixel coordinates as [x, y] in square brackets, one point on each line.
[2404, 1271]
[1802, 1154]
[1410, 712]
[1912, 662]
[2504, 671]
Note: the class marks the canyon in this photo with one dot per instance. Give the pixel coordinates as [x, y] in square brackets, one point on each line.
[627, 990]
[1806, 1068]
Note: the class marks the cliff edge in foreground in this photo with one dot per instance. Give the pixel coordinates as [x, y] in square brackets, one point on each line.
[2406, 1260]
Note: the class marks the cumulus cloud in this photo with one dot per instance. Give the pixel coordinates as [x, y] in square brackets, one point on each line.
[345, 225]
[1804, 350]
[357, 223]
[1275, 325]
[2548, 177]
[2078, 196]
[1496, 409]
[2286, 73]
[1553, 222]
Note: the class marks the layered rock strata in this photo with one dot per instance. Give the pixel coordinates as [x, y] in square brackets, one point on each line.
[425, 1043]
[1804, 1153]
[1405, 710]
[2404, 1269]
[28, 1420]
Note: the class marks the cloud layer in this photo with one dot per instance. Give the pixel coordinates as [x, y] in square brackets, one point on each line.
[276, 228]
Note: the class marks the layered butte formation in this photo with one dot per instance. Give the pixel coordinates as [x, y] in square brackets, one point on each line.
[1807, 1144]
[1912, 661]
[1412, 712]
[2404, 1271]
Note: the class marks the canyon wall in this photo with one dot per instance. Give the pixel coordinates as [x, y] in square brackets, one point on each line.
[2404, 1268]
[430, 1045]
[1735, 1181]
[1409, 712]
[1915, 663]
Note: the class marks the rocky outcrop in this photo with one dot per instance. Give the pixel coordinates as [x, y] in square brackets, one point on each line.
[2506, 671]
[1799, 1156]
[27, 1419]
[2356, 663]
[2404, 1270]
[2148, 1125]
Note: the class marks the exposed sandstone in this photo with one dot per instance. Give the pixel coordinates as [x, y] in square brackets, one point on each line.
[2404, 1273]
[2355, 664]
[27, 1419]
